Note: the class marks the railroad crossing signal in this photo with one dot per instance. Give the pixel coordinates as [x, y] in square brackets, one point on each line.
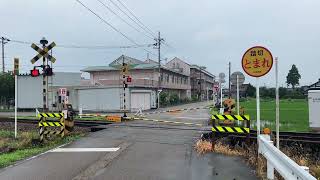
[125, 69]
[43, 52]
[16, 66]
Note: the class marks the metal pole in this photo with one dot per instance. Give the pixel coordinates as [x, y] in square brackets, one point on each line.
[159, 66]
[238, 110]
[200, 86]
[277, 104]
[220, 95]
[2, 43]
[258, 107]
[229, 80]
[15, 104]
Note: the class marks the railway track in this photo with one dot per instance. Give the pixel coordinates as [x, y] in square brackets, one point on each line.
[302, 137]
[80, 123]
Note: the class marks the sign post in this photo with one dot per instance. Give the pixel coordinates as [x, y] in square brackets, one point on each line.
[257, 62]
[221, 80]
[15, 72]
[277, 104]
[237, 78]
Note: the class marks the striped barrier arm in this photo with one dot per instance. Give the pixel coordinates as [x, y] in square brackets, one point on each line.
[51, 115]
[46, 124]
[227, 129]
[176, 110]
[231, 117]
[164, 121]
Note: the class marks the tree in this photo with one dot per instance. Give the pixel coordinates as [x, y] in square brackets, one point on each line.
[293, 76]
[6, 88]
[250, 91]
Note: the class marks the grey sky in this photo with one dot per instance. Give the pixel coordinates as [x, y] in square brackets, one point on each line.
[205, 32]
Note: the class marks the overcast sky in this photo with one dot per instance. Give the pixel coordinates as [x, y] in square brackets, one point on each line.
[204, 32]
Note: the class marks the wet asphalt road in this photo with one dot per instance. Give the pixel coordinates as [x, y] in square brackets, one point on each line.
[148, 150]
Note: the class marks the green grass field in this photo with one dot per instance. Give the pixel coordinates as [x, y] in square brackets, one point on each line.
[294, 115]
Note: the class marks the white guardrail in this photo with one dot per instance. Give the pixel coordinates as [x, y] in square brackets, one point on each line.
[276, 159]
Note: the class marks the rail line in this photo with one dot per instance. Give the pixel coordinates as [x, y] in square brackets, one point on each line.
[304, 137]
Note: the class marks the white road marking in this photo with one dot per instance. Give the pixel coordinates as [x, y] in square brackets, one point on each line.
[85, 150]
[192, 117]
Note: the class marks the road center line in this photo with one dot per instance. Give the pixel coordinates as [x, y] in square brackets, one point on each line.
[85, 150]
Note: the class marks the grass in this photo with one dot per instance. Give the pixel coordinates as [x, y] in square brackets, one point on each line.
[250, 155]
[13, 150]
[294, 114]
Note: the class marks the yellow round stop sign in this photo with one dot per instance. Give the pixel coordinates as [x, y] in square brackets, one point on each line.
[257, 61]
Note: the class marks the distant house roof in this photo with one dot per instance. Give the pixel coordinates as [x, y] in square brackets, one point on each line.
[133, 64]
[315, 85]
[150, 61]
[193, 66]
[125, 59]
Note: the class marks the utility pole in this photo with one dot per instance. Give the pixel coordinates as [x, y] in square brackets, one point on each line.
[158, 46]
[200, 85]
[229, 80]
[43, 41]
[3, 42]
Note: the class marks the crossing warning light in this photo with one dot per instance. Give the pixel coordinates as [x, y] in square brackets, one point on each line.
[34, 72]
[129, 79]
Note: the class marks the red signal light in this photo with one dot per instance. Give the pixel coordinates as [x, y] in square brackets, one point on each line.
[129, 79]
[35, 72]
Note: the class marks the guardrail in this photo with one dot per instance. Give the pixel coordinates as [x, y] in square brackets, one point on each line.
[276, 159]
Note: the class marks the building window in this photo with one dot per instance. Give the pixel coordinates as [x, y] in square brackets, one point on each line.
[168, 78]
[172, 78]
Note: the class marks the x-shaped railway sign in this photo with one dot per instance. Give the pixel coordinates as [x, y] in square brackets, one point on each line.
[43, 52]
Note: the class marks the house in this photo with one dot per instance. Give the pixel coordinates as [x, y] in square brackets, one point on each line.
[201, 82]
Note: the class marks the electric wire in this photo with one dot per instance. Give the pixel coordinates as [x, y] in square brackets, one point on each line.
[107, 7]
[115, 29]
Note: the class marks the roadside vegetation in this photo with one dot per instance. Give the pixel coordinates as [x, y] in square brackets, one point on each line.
[294, 114]
[27, 144]
[260, 165]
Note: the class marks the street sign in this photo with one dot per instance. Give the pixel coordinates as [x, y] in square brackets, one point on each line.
[216, 85]
[43, 52]
[113, 118]
[257, 61]
[62, 91]
[233, 78]
[222, 75]
[16, 66]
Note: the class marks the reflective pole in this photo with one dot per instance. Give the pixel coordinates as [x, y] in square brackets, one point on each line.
[258, 107]
[277, 104]
[238, 111]
[15, 105]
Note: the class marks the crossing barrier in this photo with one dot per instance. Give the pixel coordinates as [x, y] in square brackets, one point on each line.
[227, 129]
[43, 124]
[163, 121]
[175, 110]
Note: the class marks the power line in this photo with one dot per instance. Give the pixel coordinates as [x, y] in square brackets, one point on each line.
[87, 47]
[115, 4]
[135, 17]
[103, 20]
[145, 27]
[123, 19]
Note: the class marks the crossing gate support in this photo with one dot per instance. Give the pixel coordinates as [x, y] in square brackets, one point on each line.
[217, 128]
[44, 124]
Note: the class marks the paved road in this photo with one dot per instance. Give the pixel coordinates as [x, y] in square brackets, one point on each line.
[148, 150]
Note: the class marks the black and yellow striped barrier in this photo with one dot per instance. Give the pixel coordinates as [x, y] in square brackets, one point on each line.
[227, 129]
[43, 124]
[46, 124]
[51, 133]
[231, 117]
[52, 115]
